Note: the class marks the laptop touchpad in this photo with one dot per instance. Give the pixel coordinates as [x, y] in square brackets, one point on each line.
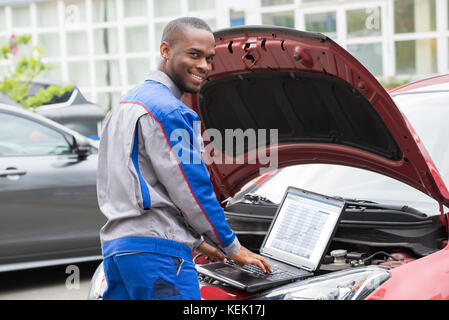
[227, 270]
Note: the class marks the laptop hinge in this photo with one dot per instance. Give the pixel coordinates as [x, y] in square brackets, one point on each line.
[306, 268]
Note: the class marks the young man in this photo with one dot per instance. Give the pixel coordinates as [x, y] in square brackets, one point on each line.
[159, 207]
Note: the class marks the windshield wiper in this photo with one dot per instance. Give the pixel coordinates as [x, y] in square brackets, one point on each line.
[371, 205]
[355, 201]
[256, 199]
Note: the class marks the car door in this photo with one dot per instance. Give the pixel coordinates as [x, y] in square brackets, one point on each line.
[48, 206]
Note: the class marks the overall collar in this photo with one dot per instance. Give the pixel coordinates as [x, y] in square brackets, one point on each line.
[162, 77]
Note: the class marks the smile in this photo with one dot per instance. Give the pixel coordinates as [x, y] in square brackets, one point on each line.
[195, 76]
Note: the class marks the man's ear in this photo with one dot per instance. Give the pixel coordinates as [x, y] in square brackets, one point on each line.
[165, 50]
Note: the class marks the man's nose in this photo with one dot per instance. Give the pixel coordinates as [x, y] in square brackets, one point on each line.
[204, 65]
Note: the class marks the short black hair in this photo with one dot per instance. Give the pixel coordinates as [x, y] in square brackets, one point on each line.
[176, 26]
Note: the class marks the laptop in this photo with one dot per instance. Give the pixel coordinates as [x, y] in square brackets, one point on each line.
[295, 244]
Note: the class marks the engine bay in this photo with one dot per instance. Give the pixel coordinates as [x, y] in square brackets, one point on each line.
[367, 235]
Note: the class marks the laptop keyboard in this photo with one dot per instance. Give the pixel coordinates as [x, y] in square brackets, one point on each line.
[255, 271]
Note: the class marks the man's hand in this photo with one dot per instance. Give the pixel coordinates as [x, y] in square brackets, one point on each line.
[210, 251]
[244, 256]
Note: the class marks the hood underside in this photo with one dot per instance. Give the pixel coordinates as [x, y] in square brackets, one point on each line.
[302, 107]
[325, 106]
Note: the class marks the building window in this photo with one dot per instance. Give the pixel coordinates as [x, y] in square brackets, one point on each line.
[324, 22]
[3, 41]
[75, 12]
[167, 8]
[266, 3]
[363, 22]
[370, 55]
[136, 39]
[135, 8]
[20, 16]
[3, 71]
[2, 19]
[104, 10]
[414, 16]
[198, 5]
[137, 70]
[76, 43]
[50, 44]
[45, 10]
[283, 19]
[53, 74]
[105, 41]
[25, 50]
[159, 29]
[79, 73]
[108, 100]
[212, 23]
[416, 56]
[107, 73]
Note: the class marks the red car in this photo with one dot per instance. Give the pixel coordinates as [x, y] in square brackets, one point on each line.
[347, 137]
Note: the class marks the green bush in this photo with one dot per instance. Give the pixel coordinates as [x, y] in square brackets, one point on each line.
[392, 82]
[16, 83]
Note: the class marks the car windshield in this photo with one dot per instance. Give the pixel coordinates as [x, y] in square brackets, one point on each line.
[427, 112]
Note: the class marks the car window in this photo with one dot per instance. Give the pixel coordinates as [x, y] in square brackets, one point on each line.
[23, 137]
[428, 113]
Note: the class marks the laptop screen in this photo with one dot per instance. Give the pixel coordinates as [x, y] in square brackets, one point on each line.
[302, 228]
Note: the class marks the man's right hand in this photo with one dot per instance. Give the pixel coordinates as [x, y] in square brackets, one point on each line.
[245, 256]
[210, 251]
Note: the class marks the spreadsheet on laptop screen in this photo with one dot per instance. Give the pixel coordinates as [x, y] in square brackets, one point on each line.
[303, 227]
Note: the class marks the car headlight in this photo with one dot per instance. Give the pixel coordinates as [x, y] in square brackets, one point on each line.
[97, 284]
[351, 284]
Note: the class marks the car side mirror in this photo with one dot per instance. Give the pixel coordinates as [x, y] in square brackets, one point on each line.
[82, 147]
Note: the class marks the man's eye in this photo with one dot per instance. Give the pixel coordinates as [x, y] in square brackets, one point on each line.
[194, 54]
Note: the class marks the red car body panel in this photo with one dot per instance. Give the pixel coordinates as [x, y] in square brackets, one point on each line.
[215, 293]
[277, 50]
[423, 279]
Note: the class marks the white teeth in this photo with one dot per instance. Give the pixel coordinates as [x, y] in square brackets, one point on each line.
[196, 77]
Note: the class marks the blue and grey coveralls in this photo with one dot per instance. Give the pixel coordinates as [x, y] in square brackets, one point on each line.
[159, 206]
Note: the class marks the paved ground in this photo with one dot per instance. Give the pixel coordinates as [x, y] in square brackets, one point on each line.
[51, 283]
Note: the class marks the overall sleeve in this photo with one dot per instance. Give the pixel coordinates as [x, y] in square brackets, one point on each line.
[175, 154]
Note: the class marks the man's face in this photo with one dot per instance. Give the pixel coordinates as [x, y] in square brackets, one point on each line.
[189, 58]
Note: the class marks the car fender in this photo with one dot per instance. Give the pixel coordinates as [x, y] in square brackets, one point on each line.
[423, 279]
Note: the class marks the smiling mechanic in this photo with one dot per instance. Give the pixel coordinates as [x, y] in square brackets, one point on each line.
[159, 207]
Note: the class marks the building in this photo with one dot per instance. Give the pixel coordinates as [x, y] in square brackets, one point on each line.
[107, 46]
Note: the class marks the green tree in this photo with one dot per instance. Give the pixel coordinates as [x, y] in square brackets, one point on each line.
[16, 83]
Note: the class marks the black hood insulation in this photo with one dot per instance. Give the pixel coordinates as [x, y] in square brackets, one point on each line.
[304, 107]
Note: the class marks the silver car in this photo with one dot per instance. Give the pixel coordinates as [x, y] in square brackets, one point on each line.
[48, 205]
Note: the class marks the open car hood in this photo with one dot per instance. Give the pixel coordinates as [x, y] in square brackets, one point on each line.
[327, 108]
